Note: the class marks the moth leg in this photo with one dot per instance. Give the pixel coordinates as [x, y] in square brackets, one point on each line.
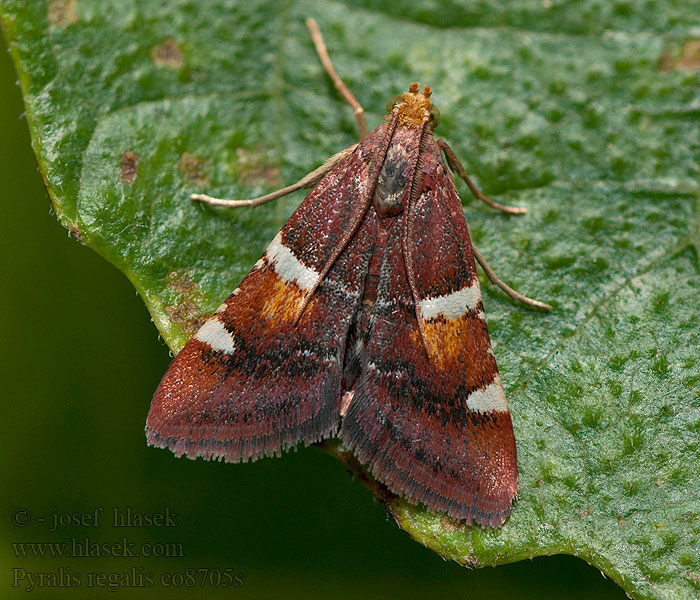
[457, 167]
[320, 45]
[506, 288]
[309, 180]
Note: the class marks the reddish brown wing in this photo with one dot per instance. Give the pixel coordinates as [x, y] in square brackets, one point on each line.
[251, 382]
[434, 427]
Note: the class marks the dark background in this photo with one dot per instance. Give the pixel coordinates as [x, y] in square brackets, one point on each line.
[80, 359]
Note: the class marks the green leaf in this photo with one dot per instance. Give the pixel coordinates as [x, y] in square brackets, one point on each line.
[585, 112]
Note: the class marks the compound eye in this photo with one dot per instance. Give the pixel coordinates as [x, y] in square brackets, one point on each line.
[393, 102]
[434, 116]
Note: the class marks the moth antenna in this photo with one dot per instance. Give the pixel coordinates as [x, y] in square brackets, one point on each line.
[345, 92]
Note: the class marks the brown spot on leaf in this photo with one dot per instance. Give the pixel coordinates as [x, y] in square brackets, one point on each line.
[192, 167]
[450, 524]
[62, 12]
[168, 54]
[186, 311]
[687, 58]
[470, 562]
[181, 283]
[129, 162]
[254, 169]
[75, 233]
[186, 314]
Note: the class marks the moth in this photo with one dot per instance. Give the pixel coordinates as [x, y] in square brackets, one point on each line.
[363, 320]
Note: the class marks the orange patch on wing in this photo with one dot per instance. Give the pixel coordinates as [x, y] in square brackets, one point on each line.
[282, 299]
[461, 343]
[265, 303]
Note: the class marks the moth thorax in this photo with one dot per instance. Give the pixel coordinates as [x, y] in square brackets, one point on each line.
[388, 206]
[391, 184]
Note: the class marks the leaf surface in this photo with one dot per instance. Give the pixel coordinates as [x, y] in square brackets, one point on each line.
[585, 112]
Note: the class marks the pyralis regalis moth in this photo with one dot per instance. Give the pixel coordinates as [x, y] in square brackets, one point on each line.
[363, 320]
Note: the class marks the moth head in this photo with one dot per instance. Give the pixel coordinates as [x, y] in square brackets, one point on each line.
[414, 108]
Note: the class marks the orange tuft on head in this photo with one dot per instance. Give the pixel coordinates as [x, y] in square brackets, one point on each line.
[414, 107]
